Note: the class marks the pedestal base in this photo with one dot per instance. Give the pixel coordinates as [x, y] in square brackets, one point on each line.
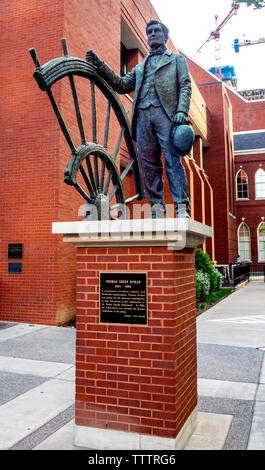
[136, 361]
[107, 439]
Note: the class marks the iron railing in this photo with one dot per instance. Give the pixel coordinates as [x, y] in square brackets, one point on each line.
[235, 273]
[257, 272]
[239, 272]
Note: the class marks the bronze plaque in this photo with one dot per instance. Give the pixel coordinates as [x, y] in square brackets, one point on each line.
[123, 298]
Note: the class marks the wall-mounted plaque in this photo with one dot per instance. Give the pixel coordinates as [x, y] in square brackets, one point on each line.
[15, 250]
[123, 298]
[15, 268]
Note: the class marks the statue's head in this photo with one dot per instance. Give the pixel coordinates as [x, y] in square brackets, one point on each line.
[157, 33]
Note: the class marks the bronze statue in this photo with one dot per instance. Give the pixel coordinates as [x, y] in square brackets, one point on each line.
[162, 87]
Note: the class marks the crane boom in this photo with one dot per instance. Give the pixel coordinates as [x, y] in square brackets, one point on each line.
[247, 42]
[216, 33]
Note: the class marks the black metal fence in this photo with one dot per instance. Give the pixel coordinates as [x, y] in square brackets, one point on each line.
[239, 272]
[257, 272]
[236, 273]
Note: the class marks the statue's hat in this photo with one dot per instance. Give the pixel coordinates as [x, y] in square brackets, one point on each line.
[181, 138]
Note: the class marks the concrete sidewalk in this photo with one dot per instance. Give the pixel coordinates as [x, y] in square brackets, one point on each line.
[37, 380]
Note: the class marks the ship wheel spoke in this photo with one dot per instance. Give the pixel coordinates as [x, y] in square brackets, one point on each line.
[91, 175]
[102, 176]
[83, 193]
[108, 181]
[127, 169]
[93, 112]
[77, 110]
[86, 180]
[96, 170]
[112, 194]
[107, 123]
[61, 121]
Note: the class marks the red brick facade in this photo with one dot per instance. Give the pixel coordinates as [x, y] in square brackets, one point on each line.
[230, 115]
[133, 378]
[249, 116]
[30, 159]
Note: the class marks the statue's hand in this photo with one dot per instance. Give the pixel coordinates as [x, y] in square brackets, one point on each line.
[180, 118]
[93, 58]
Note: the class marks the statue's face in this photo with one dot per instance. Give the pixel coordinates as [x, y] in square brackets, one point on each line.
[155, 36]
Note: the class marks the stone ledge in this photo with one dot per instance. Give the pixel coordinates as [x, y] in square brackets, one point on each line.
[175, 233]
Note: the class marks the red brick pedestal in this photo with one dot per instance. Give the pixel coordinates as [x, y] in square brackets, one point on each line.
[136, 385]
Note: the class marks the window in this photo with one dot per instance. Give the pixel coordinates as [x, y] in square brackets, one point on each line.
[124, 60]
[260, 183]
[132, 51]
[261, 241]
[241, 185]
[244, 242]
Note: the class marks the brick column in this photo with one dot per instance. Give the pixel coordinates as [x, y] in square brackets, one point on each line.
[136, 385]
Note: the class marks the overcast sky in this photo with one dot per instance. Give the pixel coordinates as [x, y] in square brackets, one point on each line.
[190, 23]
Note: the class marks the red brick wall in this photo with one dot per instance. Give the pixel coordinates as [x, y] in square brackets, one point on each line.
[219, 167]
[137, 378]
[247, 115]
[29, 158]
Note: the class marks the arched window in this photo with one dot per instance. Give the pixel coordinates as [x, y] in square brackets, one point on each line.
[244, 242]
[261, 241]
[241, 185]
[260, 183]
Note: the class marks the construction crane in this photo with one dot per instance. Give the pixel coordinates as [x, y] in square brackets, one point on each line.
[216, 36]
[246, 42]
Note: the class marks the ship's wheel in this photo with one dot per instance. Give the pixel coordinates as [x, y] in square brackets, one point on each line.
[92, 168]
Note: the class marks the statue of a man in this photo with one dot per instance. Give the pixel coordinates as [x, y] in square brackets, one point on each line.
[162, 87]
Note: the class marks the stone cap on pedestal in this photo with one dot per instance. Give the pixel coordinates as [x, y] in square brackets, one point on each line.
[176, 233]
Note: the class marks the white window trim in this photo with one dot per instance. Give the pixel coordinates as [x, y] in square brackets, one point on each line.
[238, 244]
[260, 260]
[249, 151]
[257, 198]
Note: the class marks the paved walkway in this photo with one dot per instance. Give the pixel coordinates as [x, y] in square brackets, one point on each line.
[37, 379]
[231, 371]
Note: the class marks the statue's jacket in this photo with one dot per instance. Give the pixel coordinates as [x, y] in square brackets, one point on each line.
[172, 83]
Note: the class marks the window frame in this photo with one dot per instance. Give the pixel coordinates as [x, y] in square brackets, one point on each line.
[261, 241]
[237, 186]
[240, 250]
[262, 182]
[123, 60]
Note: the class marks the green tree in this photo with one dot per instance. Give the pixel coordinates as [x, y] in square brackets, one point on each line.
[255, 3]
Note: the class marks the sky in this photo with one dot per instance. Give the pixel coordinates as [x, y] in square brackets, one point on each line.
[191, 21]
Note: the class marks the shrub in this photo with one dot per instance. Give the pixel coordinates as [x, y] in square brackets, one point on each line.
[220, 279]
[203, 285]
[212, 298]
[203, 263]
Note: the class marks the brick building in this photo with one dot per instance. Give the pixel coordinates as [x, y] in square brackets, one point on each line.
[34, 152]
[240, 130]
[249, 150]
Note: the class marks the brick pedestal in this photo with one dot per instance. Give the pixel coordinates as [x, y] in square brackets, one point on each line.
[136, 385]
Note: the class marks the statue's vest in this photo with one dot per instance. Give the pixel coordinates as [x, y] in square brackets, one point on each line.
[148, 94]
